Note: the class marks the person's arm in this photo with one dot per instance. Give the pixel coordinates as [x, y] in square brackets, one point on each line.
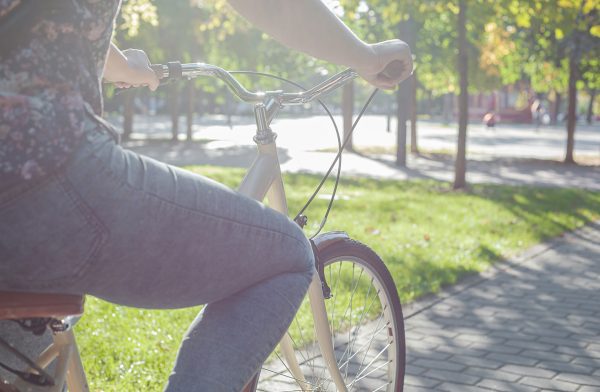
[309, 26]
[129, 68]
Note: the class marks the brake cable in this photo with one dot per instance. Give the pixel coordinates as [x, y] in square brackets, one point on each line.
[338, 157]
[300, 218]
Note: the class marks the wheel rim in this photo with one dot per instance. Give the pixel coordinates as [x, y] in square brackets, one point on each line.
[364, 335]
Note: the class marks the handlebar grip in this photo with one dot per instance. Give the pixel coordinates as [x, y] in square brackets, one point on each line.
[394, 70]
[172, 70]
[158, 70]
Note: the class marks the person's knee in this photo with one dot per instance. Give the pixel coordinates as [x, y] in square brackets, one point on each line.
[301, 252]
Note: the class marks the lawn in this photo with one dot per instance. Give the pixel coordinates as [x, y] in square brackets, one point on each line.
[428, 235]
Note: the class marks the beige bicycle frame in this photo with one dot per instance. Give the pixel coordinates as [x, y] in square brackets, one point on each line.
[68, 367]
[264, 179]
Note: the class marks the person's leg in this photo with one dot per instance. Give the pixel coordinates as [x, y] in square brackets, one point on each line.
[239, 332]
[166, 238]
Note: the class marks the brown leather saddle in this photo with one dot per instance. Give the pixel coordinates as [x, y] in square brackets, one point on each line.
[18, 305]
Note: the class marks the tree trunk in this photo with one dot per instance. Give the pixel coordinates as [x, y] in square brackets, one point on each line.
[429, 108]
[448, 108]
[590, 111]
[388, 123]
[572, 109]
[556, 108]
[402, 101]
[347, 113]
[190, 112]
[128, 112]
[574, 62]
[174, 110]
[414, 148]
[229, 107]
[460, 168]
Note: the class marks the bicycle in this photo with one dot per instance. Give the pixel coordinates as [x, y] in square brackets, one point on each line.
[348, 334]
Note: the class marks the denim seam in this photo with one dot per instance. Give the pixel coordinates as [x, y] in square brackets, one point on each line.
[92, 221]
[168, 202]
[257, 357]
[286, 325]
[13, 194]
[286, 299]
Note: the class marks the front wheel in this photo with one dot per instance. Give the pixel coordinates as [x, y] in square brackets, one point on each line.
[365, 319]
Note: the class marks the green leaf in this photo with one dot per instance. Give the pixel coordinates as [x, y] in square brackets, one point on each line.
[559, 34]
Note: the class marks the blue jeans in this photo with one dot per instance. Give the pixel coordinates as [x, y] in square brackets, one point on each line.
[140, 233]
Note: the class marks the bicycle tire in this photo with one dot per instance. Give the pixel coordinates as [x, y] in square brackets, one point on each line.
[384, 365]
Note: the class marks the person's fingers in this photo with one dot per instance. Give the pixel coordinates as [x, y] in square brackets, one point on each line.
[153, 81]
[391, 64]
[139, 63]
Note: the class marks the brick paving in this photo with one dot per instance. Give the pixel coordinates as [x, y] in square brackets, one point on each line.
[529, 324]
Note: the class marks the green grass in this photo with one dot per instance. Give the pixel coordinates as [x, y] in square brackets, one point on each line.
[428, 235]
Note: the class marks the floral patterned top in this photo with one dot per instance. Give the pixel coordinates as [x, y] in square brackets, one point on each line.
[49, 84]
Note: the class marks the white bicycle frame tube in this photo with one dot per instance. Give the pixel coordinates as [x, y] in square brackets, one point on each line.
[264, 179]
[68, 366]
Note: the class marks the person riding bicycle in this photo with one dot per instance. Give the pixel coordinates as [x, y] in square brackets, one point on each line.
[79, 214]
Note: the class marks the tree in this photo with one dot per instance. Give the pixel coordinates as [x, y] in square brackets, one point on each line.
[347, 113]
[379, 20]
[404, 97]
[580, 40]
[463, 106]
[135, 16]
[414, 148]
[590, 74]
[451, 51]
[554, 41]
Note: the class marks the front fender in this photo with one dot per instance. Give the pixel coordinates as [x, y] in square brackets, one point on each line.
[322, 241]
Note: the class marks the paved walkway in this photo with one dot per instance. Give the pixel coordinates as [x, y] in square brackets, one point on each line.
[516, 155]
[513, 171]
[315, 133]
[530, 324]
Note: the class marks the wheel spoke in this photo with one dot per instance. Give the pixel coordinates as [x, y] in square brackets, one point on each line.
[356, 334]
[362, 310]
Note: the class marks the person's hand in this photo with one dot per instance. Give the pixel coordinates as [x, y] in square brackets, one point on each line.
[394, 53]
[137, 72]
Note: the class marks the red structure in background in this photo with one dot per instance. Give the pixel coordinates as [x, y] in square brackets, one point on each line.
[501, 107]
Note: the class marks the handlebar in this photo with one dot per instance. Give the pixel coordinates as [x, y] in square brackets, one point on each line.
[176, 70]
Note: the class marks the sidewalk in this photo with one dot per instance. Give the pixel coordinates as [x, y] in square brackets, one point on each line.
[315, 133]
[509, 154]
[510, 171]
[528, 324]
